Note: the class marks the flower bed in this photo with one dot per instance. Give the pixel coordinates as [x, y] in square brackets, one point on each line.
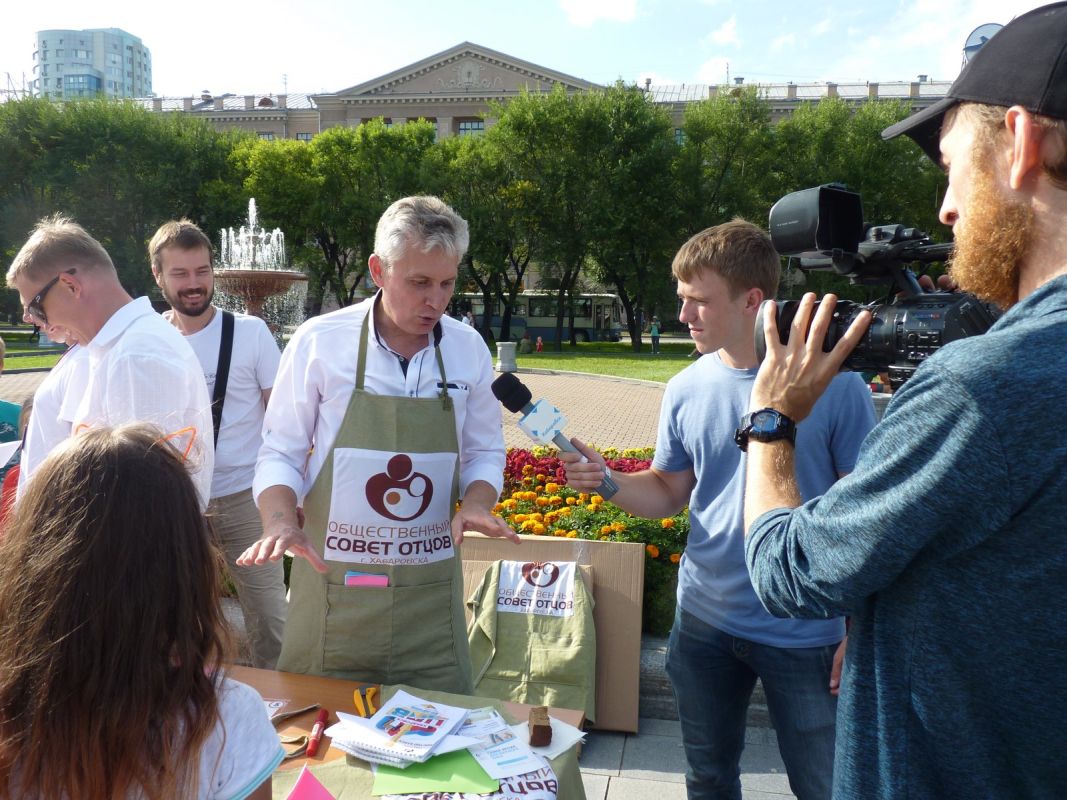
[536, 500]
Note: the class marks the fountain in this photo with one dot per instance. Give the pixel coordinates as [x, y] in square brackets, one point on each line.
[251, 275]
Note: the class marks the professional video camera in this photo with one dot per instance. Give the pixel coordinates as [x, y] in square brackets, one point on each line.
[824, 228]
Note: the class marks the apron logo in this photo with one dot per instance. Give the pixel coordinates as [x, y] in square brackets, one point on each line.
[536, 587]
[400, 493]
[540, 573]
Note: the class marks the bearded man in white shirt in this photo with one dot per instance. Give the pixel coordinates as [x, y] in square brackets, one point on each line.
[139, 368]
[239, 358]
[381, 418]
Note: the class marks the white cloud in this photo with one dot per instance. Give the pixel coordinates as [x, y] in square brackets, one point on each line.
[783, 41]
[822, 28]
[726, 33]
[918, 37]
[584, 13]
[714, 71]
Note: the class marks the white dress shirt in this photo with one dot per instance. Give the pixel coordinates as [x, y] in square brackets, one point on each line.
[142, 370]
[53, 413]
[317, 376]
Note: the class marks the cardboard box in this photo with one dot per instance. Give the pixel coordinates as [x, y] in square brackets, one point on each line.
[618, 581]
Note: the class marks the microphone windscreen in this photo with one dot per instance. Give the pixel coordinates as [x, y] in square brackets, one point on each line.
[512, 392]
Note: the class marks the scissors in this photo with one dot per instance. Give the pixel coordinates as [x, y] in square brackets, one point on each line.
[364, 698]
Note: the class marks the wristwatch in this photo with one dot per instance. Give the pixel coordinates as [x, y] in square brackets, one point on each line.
[765, 425]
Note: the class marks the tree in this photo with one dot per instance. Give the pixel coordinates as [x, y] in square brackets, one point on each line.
[550, 140]
[635, 219]
[830, 141]
[327, 195]
[115, 168]
[724, 163]
[472, 175]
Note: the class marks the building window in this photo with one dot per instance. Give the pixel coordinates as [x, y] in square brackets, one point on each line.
[59, 53]
[81, 54]
[266, 135]
[471, 127]
[303, 137]
[679, 136]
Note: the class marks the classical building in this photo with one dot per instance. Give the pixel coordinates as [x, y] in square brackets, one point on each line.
[99, 61]
[455, 90]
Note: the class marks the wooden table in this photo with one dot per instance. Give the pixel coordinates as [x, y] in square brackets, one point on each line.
[336, 695]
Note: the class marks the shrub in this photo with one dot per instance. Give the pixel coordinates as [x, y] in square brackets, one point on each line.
[536, 501]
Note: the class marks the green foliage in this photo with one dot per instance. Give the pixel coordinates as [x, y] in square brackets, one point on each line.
[635, 221]
[590, 187]
[724, 167]
[327, 195]
[830, 141]
[113, 167]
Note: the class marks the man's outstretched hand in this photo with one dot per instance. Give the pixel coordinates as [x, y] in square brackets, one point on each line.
[793, 376]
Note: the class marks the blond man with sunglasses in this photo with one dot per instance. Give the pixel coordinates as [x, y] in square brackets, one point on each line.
[139, 368]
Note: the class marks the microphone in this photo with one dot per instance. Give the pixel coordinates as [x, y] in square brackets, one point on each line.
[541, 421]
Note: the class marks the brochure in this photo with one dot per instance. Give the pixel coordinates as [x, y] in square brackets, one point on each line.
[500, 752]
[405, 730]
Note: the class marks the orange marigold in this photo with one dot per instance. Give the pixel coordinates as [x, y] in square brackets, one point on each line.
[551, 488]
[676, 557]
[572, 500]
[605, 529]
[652, 550]
[666, 523]
[539, 529]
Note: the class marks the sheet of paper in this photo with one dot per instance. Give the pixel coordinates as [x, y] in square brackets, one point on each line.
[274, 706]
[501, 753]
[307, 787]
[451, 772]
[7, 449]
[564, 737]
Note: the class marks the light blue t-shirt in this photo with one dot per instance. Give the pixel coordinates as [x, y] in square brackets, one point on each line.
[701, 410]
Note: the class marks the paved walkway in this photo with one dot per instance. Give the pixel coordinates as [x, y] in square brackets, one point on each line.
[649, 765]
[600, 410]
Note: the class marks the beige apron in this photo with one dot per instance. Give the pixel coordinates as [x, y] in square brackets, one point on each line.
[382, 506]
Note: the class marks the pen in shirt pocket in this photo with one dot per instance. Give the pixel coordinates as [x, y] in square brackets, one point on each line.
[460, 387]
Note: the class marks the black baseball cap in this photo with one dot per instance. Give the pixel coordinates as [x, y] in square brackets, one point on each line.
[1023, 64]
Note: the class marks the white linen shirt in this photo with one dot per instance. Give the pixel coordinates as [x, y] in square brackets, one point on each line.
[53, 412]
[142, 370]
[316, 379]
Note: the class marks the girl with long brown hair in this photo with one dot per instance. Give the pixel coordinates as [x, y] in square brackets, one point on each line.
[113, 637]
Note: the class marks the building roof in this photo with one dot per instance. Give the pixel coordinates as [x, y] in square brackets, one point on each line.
[230, 102]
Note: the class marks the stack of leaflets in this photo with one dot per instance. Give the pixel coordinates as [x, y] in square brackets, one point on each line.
[406, 730]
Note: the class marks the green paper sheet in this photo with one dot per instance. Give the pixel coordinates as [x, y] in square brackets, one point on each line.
[451, 772]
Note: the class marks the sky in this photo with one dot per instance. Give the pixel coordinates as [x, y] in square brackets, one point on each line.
[327, 45]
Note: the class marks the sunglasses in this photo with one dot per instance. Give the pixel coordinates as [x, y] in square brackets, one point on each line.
[35, 308]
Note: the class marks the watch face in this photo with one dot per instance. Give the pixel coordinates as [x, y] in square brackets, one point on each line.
[764, 421]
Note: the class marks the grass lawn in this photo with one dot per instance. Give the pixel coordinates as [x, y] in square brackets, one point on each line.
[18, 341]
[614, 358]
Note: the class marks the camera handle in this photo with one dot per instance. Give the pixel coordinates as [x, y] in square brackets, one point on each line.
[905, 282]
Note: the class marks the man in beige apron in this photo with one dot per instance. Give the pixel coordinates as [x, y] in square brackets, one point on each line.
[381, 419]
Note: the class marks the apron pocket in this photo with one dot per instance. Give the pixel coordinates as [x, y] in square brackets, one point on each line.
[423, 638]
[389, 630]
[358, 624]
